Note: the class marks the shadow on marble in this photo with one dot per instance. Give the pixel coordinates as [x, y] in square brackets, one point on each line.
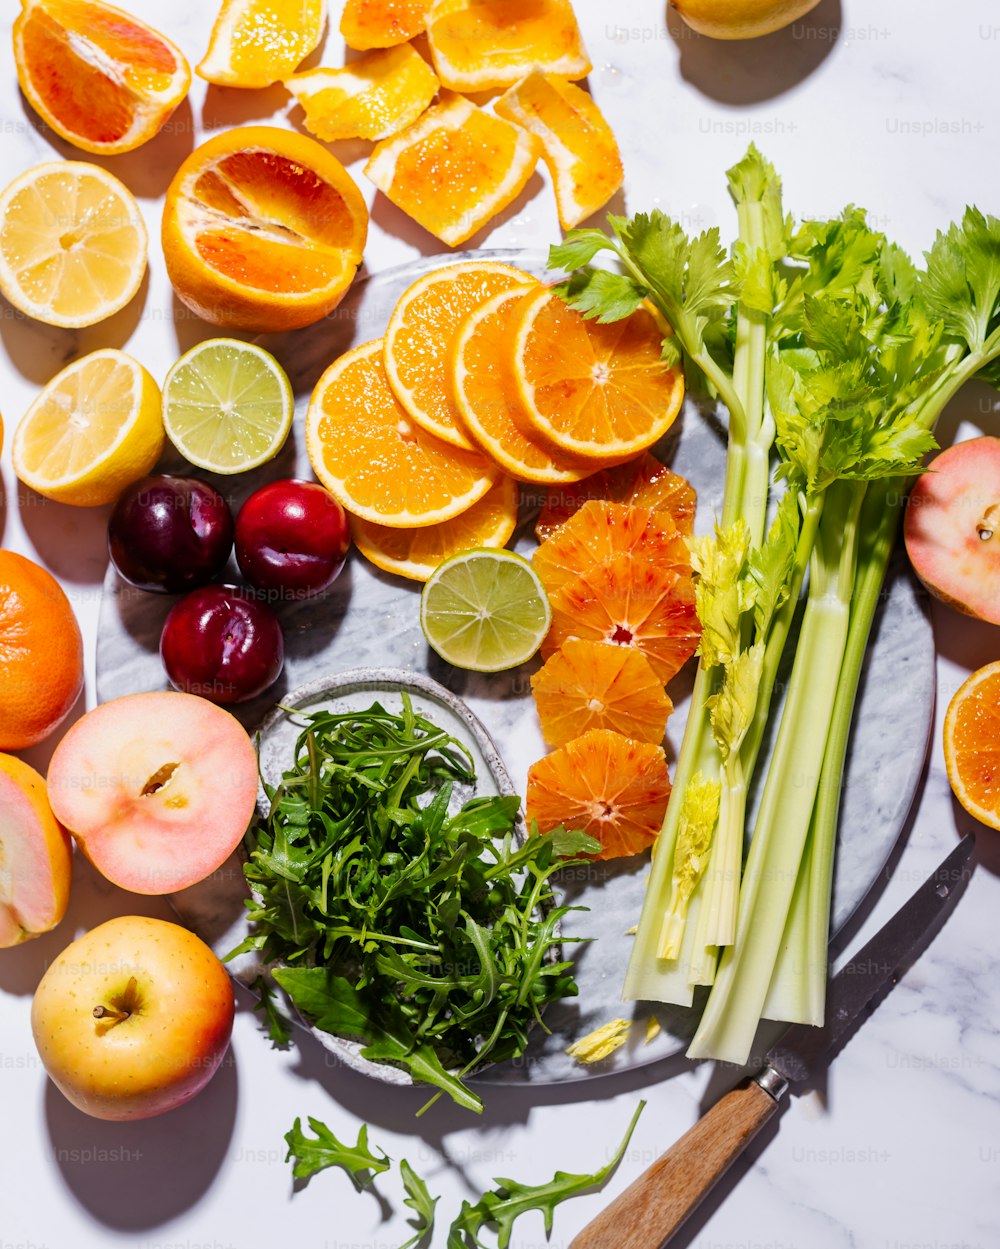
[147, 171]
[235, 106]
[66, 538]
[116, 1171]
[752, 71]
[396, 224]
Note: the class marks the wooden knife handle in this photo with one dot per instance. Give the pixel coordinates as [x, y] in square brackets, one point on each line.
[652, 1208]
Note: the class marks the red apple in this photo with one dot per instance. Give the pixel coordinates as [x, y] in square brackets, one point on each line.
[133, 1019]
[157, 789]
[36, 859]
[292, 538]
[952, 527]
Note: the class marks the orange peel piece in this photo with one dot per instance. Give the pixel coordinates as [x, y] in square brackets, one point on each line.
[382, 23]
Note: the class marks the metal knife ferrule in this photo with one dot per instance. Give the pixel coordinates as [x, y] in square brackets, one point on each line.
[772, 1081]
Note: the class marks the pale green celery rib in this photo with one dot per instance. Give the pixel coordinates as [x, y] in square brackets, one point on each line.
[648, 976]
[734, 1006]
[716, 924]
[798, 988]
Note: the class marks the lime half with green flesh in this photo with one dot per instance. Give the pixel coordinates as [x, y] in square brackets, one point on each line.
[227, 405]
[485, 610]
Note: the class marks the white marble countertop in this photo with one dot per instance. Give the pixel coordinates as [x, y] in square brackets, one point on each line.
[883, 105]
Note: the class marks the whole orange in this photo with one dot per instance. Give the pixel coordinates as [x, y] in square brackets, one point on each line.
[41, 653]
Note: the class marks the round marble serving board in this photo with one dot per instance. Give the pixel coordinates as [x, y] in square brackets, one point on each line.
[370, 618]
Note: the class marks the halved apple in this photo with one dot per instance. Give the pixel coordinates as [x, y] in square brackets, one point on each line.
[157, 789]
[952, 527]
[36, 858]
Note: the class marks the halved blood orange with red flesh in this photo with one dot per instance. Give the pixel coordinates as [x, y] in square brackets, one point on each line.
[631, 603]
[97, 75]
[263, 230]
[595, 685]
[605, 784]
[599, 532]
[487, 399]
[644, 481]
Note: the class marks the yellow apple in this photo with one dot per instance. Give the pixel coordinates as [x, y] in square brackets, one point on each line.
[133, 1018]
[36, 861]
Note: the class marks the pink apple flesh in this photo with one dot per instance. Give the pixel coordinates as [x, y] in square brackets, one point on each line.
[952, 528]
[157, 789]
[133, 1018]
[36, 860]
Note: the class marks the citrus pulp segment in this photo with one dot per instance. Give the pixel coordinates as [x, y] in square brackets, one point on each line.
[604, 784]
[454, 168]
[643, 481]
[630, 603]
[227, 405]
[485, 45]
[484, 610]
[578, 147]
[487, 398]
[95, 428]
[378, 463]
[72, 243]
[420, 333]
[263, 230]
[596, 390]
[972, 745]
[98, 76]
[596, 685]
[382, 23]
[599, 532]
[257, 42]
[415, 553]
[372, 98]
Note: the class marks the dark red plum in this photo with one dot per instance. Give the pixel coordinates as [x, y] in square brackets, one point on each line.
[221, 643]
[292, 538]
[170, 534]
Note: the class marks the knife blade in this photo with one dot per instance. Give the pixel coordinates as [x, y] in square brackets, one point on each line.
[655, 1205]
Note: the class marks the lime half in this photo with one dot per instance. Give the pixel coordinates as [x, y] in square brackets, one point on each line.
[485, 610]
[227, 405]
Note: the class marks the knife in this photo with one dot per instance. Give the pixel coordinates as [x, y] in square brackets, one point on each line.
[652, 1208]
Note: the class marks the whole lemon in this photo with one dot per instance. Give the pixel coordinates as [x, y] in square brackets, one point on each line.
[741, 19]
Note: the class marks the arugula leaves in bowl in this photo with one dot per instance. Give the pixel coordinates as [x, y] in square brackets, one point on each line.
[426, 932]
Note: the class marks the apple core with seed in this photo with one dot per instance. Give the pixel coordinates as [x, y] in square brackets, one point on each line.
[157, 789]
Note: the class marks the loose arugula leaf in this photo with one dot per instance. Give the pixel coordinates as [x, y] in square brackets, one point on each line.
[421, 1203]
[278, 1027]
[504, 1205]
[311, 1156]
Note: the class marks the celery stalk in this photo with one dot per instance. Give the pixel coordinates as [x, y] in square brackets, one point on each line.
[734, 1006]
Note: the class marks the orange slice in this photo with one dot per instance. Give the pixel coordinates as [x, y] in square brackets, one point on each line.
[630, 603]
[592, 685]
[421, 330]
[455, 168]
[382, 23]
[263, 230]
[577, 143]
[98, 76]
[599, 532]
[488, 401]
[372, 98]
[415, 553]
[374, 460]
[257, 42]
[610, 786]
[972, 745]
[644, 482]
[601, 391]
[485, 45]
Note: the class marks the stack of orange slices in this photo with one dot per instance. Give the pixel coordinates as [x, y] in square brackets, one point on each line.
[618, 575]
[484, 378]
